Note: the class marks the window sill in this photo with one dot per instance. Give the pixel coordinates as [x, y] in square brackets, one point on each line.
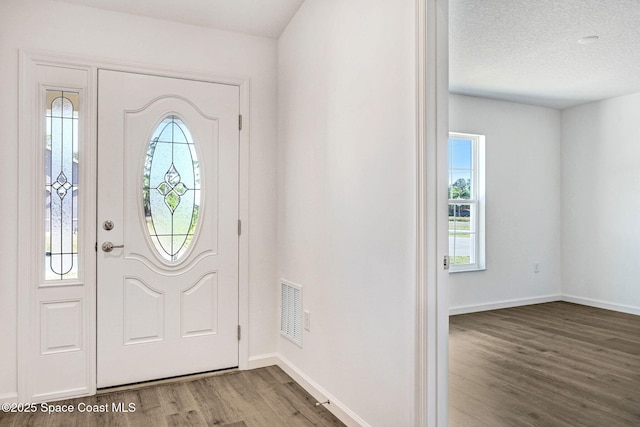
[468, 270]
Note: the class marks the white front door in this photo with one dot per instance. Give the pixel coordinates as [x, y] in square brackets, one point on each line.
[168, 194]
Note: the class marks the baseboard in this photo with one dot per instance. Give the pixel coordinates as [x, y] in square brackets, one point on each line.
[343, 413]
[9, 398]
[602, 304]
[263, 360]
[504, 304]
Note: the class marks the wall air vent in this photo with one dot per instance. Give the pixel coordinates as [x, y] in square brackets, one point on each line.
[291, 312]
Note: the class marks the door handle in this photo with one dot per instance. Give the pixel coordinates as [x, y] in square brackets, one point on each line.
[108, 246]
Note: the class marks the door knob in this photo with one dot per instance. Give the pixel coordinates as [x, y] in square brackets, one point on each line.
[108, 246]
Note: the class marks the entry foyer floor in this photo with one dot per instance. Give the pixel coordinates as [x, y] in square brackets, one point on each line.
[265, 397]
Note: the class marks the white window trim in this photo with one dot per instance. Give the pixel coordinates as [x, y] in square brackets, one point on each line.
[478, 159]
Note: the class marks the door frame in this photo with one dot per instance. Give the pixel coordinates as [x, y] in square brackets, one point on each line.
[432, 278]
[32, 64]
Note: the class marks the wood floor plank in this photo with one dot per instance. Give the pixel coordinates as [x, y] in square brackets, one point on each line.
[572, 328]
[6, 420]
[297, 397]
[272, 392]
[85, 418]
[213, 409]
[265, 397]
[496, 407]
[176, 399]
[308, 404]
[111, 418]
[458, 417]
[186, 418]
[278, 374]
[505, 397]
[557, 363]
[255, 411]
[556, 394]
[550, 361]
[149, 411]
[549, 340]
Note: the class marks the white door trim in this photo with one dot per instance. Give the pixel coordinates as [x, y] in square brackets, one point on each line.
[28, 350]
[432, 298]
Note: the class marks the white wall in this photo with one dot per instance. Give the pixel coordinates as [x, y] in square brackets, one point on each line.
[600, 203]
[64, 28]
[347, 199]
[523, 198]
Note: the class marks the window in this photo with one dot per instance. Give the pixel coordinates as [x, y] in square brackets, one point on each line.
[466, 202]
[171, 188]
[61, 185]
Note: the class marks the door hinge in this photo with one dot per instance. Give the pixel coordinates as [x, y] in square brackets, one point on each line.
[239, 332]
[96, 246]
[240, 121]
[239, 227]
[445, 262]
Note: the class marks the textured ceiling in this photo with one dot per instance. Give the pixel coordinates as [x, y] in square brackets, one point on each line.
[517, 50]
[527, 51]
[266, 18]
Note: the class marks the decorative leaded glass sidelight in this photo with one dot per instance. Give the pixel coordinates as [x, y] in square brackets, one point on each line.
[61, 185]
[171, 188]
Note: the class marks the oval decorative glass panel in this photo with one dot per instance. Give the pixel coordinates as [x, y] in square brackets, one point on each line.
[171, 188]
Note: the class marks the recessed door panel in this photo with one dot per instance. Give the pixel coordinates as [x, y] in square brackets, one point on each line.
[200, 307]
[143, 312]
[60, 328]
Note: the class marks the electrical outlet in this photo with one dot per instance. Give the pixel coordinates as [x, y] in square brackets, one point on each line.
[307, 320]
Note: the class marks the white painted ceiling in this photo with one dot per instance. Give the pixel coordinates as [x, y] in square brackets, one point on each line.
[517, 50]
[266, 18]
[527, 51]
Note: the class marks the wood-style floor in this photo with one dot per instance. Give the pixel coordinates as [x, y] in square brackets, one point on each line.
[262, 397]
[556, 364]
